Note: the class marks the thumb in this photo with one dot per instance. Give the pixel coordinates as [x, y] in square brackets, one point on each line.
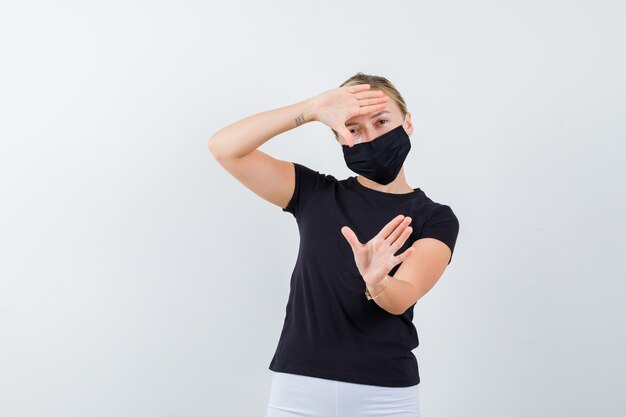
[347, 136]
[350, 237]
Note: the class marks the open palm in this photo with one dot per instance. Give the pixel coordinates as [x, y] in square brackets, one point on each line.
[376, 258]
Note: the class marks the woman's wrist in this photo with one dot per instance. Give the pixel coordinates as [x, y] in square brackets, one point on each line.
[379, 287]
[310, 109]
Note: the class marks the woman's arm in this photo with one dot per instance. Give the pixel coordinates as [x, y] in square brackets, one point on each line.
[235, 148]
[239, 139]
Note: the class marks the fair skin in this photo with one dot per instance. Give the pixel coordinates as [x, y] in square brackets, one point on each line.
[368, 127]
[235, 147]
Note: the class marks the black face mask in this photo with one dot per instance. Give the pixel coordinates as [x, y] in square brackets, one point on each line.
[380, 159]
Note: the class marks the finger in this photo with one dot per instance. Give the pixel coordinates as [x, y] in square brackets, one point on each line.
[398, 230]
[369, 109]
[386, 231]
[404, 255]
[348, 138]
[351, 238]
[370, 94]
[395, 246]
[358, 87]
[372, 101]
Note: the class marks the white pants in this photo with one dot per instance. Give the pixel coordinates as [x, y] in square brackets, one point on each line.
[294, 395]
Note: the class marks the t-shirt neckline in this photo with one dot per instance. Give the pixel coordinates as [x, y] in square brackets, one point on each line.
[371, 191]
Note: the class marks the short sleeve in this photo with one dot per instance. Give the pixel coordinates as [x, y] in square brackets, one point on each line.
[442, 224]
[307, 183]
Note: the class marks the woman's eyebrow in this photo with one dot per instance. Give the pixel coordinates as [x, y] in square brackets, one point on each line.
[371, 117]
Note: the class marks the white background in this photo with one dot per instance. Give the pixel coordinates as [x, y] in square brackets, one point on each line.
[138, 278]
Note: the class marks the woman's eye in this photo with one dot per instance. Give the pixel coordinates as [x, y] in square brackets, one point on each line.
[383, 120]
[351, 130]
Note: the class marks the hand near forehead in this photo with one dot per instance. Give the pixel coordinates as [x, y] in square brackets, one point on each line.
[376, 258]
[336, 106]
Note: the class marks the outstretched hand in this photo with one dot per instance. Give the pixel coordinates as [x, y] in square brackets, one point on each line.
[376, 257]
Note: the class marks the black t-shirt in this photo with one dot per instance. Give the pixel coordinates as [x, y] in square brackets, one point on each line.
[331, 330]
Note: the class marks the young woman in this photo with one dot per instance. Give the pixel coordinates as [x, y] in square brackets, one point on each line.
[370, 247]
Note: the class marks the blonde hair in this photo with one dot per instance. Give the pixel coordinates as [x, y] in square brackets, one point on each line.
[377, 83]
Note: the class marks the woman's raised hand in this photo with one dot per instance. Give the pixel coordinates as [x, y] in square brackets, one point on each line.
[376, 258]
[334, 107]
